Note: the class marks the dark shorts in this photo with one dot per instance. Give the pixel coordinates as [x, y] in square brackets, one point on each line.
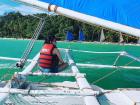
[54, 70]
[49, 70]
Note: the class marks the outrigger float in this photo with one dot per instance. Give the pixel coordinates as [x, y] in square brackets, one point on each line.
[78, 92]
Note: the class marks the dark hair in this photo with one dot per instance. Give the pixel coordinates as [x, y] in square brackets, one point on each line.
[49, 39]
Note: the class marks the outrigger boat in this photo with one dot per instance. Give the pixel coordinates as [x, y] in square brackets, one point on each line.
[79, 91]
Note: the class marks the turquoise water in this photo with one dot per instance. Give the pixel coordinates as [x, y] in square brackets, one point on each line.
[120, 78]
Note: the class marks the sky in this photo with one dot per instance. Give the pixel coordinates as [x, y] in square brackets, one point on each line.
[9, 5]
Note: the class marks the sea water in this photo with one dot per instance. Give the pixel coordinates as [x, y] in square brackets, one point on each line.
[107, 78]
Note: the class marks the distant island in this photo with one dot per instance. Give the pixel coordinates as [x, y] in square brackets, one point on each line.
[16, 25]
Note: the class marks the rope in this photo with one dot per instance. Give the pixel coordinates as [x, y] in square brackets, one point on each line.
[67, 70]
[30, 45]
[116, 60]
[94, 52]
[129, 62]
[94, 59]
[107, 75]
[33, 39]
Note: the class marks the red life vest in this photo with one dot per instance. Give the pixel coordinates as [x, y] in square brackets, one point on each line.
[46, 56]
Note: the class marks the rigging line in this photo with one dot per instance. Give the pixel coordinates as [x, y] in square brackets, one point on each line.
[94, 52]
[117, 68]
[129, 62]
[115, 62]
[27, 51]
[134, 59]
[31, 43]
[65, 57]
[24, 58]
[105, 66]
[110, 73]
[105, 76]
[32, 39]
[95, 59]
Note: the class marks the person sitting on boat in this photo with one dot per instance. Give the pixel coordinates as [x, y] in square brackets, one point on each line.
[50, 59]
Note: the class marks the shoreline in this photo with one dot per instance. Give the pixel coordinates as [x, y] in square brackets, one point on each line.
[103, 43]
[134, 44]
[15, 38]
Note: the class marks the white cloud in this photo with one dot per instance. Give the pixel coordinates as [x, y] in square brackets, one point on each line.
[28, 10]
[22, 8]
[3, 9]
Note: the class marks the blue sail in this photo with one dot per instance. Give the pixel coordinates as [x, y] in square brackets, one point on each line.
[124, 12]
[81, 36]
[69, 36]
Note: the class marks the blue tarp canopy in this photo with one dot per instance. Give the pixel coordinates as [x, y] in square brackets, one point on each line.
[126, 12]
[81, 36]
[69, 36]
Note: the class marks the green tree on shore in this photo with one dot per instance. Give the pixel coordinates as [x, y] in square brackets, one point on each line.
[16, 25]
